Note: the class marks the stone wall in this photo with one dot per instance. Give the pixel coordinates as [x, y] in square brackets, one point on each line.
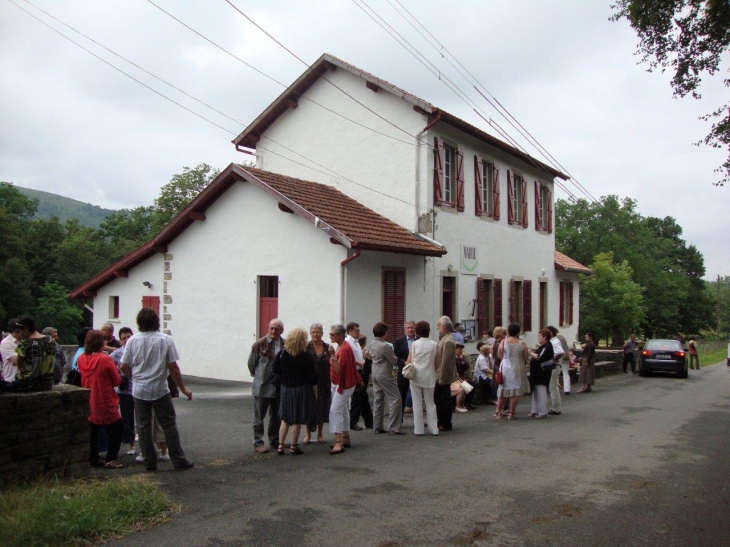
[44, 434]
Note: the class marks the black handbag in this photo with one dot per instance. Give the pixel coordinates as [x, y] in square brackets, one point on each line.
[73, 378]
[547, 365]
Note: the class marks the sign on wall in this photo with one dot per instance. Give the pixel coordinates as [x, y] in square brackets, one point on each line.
[468, 263]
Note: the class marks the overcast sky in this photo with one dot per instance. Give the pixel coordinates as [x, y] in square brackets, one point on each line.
[71, 125]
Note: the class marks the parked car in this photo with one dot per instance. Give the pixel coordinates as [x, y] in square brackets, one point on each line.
[663, 356]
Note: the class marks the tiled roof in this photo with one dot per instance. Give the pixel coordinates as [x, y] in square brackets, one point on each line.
[250, 136]
[362, 228]
[567, 264]
[344, 219]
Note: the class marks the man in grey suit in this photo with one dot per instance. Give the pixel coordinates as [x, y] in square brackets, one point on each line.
[265, 393]
[385, 383]
[446, 374]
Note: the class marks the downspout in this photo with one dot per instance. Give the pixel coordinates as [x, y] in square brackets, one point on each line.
[343, 283]
[433, 122]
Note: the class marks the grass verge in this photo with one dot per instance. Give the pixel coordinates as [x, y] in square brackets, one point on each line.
[61, 514]
[712, 358]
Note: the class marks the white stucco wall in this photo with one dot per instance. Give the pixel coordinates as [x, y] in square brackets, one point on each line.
[130, 292]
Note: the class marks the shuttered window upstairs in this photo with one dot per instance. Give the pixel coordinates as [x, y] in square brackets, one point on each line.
[448, 175]
[485, 196]
[394, 303]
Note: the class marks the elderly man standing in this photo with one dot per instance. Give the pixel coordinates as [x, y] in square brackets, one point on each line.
[149, 357]
[629, 348]
[401, 348]
[8, 353]
[446, 374]
[560, 350]
[60, 362]
[265, 393]
[111, 342]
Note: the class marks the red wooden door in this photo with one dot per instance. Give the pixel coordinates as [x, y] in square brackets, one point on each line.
[151, 302]
[394, 303]
[268, 302]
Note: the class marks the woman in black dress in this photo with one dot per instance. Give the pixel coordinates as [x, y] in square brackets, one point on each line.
[588, 365]
[298, 379]
[540, 377]
[320, 353]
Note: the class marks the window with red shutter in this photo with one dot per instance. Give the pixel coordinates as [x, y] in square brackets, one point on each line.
[510, 199]
[527, 306]
[481, 312]
[538, 223]
[525, 220]
[459, 181]
[497, 302]
[495, 194]
[438, 172]
[512, 301]
[478, 187]
[151, 302]
[570, 306]
[394, 303]
[561, 317]
[549, 211]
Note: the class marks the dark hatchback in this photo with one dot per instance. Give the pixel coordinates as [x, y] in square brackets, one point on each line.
[663, 356]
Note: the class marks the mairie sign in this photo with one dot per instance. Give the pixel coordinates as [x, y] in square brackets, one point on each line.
[468, 263]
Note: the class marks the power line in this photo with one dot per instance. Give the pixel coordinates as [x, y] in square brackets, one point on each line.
[271, 78]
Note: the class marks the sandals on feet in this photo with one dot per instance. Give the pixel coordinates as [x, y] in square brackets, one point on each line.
[511, 416]
[336, 451]
[294, 450]
[497, 415]
[113, 465]
[280, 450]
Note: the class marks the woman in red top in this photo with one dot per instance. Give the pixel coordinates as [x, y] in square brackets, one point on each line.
[344, 378]
[100, 375]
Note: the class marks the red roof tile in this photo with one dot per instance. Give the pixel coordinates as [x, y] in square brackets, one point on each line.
[344, 219]
[567, 264]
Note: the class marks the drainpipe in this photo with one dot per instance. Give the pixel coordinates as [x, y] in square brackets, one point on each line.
[343, 283]
[433, 122]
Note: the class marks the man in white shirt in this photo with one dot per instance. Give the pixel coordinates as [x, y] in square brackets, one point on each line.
[560, 347]
[7, 351]
[353, 333]
[149, 357]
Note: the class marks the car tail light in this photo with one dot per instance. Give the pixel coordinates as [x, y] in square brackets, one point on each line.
[679, 354]
[645, 352]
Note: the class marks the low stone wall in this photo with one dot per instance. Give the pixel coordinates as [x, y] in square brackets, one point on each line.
[44, 434]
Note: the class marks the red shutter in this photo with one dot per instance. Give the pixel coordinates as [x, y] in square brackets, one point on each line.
[570, 303]
[151, 302]
[550, 211]
[478, 193]
[394, 303]
[561, 317]
[495, 192]
[527, 306]
[438, 172]
[459, 181]
[510, 199]
[497, 302]
[481, 315]
[512, 303]
[525, 220]
[537, 206]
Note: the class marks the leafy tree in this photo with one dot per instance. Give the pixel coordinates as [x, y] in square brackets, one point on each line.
[54, 310]
[180, 191]
[611, 304]
[688, 37]
[127, 229]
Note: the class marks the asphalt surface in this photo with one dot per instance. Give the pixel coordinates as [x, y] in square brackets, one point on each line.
[640, 461]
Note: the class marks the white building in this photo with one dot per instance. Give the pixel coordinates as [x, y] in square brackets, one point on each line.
[367, 204]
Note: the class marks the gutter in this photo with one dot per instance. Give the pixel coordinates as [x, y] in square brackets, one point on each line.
[343, 283]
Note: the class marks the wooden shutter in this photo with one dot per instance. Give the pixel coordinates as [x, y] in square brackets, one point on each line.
[570, 303]
[561, 317]
[550, 211]
[525, 219]
[438, 171]
[394, 303]
[495, 193]
[537, 206]
[481, 313]
[527, 306]
[512, 302]
[497, 284]
[510, 199]
[151, 302]
[478, 186]
[459, 181]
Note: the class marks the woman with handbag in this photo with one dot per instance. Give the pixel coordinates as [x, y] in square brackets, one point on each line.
[514, 355]
[423, 358]
[541, 369]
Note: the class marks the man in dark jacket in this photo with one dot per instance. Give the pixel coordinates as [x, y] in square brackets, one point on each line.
[265, 393]
[401, 348]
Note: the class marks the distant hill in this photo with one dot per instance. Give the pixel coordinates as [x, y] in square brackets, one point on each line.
[53, 205]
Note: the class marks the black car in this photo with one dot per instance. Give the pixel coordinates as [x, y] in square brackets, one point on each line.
[663, 356]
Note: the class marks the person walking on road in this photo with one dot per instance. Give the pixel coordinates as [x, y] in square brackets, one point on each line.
[149, 358]
[588, 365]
[694, 357]
[265, 393]
[629, 348]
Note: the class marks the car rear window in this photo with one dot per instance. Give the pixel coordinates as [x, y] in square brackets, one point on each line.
[663, 345]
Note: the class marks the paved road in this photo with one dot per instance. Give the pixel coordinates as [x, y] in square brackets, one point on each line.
[640, 461]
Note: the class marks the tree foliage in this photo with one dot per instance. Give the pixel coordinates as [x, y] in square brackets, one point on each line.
[688, 37]
[54, 310]
[611, 304]
[669, 272]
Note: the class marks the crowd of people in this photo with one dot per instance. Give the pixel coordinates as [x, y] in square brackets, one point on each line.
[300, 382]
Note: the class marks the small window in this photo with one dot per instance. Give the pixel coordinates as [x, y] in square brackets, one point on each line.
[517, 198]
[488, 188]
[269, 286]
[449, 174]
[113, 307]
[448, 296]
[542, 207]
